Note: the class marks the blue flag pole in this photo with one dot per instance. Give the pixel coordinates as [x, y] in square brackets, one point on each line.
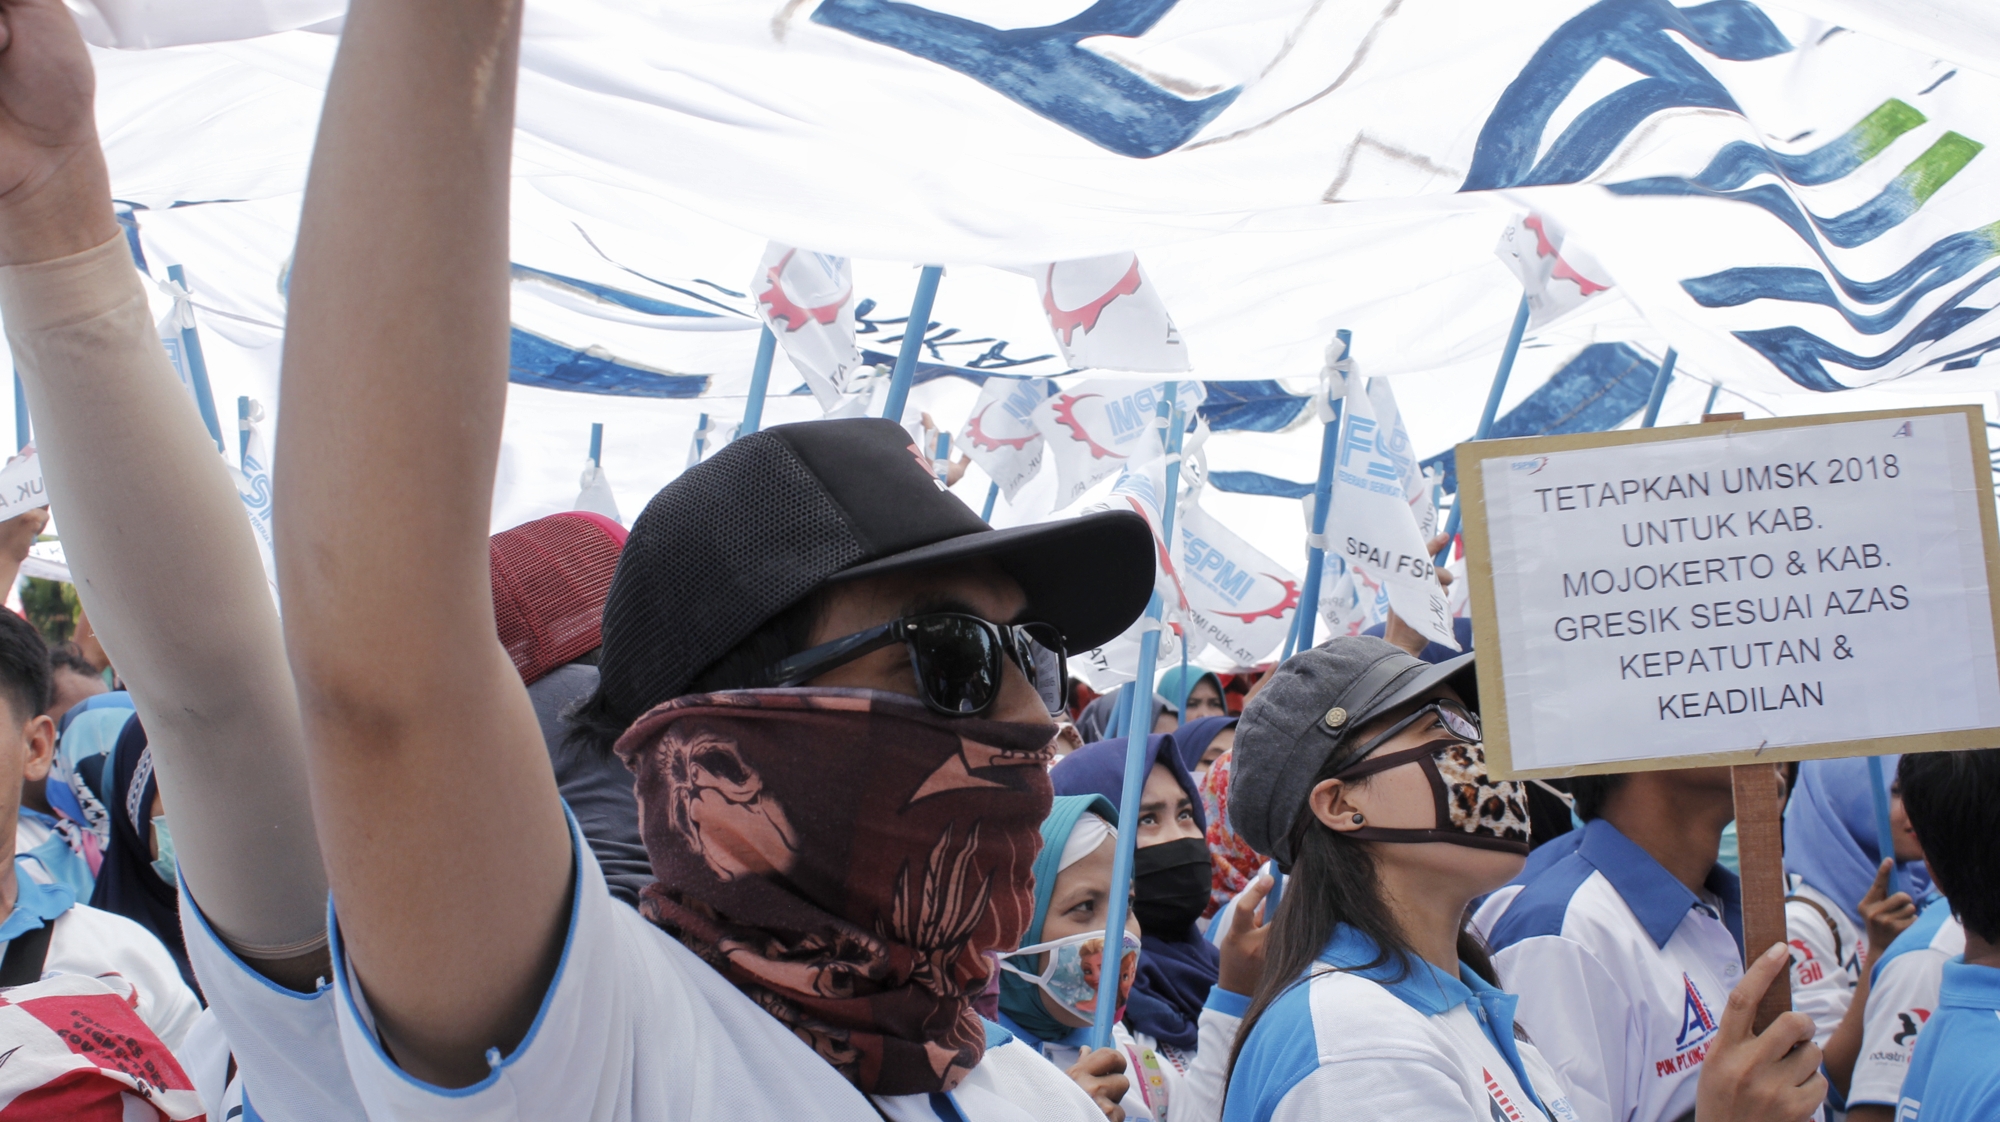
[1885, 836]
[1489, 414]
[913, 341]
[943, 458]
[1329, 445]
[1660, 382]
[204, 398]
[1714, 392]
[597, 442]
[760, 384]
[23, 430]
[242, 431]
[1117, 906]
[992, 496]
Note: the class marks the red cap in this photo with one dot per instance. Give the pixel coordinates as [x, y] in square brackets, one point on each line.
[550, 577]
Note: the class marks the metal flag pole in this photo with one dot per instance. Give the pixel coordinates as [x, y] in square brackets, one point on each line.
[913, 341]
[992, 496]
[204, 398]
[1329, 444]
[1112, 959]
[1489, 414]
[760, 383]
[1714, 391]
[24, 431]
[1885, 837]
[597, 443]
[1665, 376]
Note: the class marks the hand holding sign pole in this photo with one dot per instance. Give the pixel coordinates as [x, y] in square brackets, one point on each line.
[1141, 727]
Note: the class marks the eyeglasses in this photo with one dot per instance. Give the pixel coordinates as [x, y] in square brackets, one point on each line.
[1456, 719]
[956, 657]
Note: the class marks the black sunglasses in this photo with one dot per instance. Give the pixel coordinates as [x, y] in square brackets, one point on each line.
[956, 657]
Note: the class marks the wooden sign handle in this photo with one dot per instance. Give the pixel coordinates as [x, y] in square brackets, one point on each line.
[1760, 848]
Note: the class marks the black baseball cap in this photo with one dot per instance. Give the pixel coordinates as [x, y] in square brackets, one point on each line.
[747, 533]
[1304, 718]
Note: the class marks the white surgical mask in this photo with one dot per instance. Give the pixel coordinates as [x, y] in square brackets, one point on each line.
[163, 865]
[1070, 976]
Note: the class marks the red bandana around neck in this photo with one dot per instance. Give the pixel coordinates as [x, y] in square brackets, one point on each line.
[846, 858]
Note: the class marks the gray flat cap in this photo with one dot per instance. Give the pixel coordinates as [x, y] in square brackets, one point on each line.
[1302, 718]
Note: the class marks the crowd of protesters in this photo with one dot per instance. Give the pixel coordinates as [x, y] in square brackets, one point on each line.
[779, 804]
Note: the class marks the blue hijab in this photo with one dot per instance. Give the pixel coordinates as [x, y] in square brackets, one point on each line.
[1020, 1000]
[1830, 832]
[1193, 738]
[1175, 972]
[1177, 682]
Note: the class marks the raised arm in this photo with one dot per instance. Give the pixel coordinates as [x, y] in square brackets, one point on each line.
[444, 836]
[151, 524]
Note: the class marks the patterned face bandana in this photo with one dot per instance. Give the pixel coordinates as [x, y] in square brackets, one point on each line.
[848, 859]
[1472, 807]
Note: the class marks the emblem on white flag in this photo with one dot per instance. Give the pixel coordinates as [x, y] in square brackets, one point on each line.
[807, 300]
[1371, 526]
[1094, 430]
[1556, 275]
[1001, 436]
[1107, 315]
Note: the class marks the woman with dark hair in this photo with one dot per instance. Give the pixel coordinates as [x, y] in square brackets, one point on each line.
[1360, 770]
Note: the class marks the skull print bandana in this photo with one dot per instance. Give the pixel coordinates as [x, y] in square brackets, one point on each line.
[1472, 807]
[847, 859]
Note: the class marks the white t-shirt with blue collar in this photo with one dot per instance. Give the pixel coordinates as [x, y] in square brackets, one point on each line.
[634, 1028]
[1364, 1043]
[1902, 996]
[1622, 972]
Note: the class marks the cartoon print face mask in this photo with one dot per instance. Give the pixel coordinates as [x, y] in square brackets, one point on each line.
[1074, 966]
[1473, 809]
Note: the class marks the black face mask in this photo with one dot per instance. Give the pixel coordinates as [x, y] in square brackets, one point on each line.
[1170, 883]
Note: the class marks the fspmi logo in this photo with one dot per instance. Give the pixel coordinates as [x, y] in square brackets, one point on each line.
[1531, 466]
[1697, 1022]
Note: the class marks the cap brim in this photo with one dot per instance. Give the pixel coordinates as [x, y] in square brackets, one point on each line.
[1458, 673]
[1089, 576]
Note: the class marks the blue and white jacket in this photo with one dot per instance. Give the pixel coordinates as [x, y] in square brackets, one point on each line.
[1392, 1044]
[1622, 972]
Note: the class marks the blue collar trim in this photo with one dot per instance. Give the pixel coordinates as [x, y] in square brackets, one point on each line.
[1431, 991]
[35, 904]
[1657, 900]
[1967, 986]
[995, 1035]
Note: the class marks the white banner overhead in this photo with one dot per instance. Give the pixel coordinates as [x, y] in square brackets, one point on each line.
[1772, 590]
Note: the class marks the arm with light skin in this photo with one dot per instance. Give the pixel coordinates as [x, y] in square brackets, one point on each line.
[396, 368]
[1885, 917]
[17, 534]
[154, 531]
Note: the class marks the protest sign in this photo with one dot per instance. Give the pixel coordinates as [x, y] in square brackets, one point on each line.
[1726, 593]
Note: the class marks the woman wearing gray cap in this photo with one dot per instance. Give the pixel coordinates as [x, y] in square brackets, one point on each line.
[1360, 769]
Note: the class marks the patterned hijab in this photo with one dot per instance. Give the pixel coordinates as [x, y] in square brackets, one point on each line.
[1236, 864]
[849, 860]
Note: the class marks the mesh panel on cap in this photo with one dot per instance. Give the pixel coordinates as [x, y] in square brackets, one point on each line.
[732, 542]
[550, 577]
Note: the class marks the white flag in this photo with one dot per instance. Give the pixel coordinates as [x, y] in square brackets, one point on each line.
[596, 495]
[1371, 526]
[1107, 316]
[1239, 601]
[1096, 429]
[1001, 436]
[1393, 441]
[1557, 276]
[807, 300]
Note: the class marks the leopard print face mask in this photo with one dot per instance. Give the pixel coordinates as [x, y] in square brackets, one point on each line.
[1472, 807]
